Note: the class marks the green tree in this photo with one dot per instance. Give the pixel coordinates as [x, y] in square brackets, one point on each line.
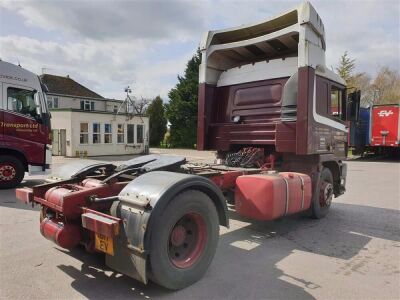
[181, 110]
[346, 67]
[158, 121]
[359, 81]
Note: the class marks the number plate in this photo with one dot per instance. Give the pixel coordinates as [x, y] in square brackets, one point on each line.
[104, 243]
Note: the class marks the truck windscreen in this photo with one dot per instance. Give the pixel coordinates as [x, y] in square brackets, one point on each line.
[23, 101]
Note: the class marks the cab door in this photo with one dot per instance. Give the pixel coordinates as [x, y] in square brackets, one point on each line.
[22, 128]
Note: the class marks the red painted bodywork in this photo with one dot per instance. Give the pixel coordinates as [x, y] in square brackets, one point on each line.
[385, 128]
[100, 223]
[257, 103]
[24, 194]
[265, 196]
[24, 135]
[76, 217]
[69, 199]
[226, 180]
[64, 235]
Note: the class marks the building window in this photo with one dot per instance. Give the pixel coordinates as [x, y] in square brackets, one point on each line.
[107, 134]
[22, 101]
[115, 108]
[131, 133]
[84, 133]
[52, 102]
[336, 98]
[139, 130]
[96, 133]
[87, 105]
[121, 133]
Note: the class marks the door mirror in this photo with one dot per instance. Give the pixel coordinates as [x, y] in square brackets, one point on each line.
[353, 106]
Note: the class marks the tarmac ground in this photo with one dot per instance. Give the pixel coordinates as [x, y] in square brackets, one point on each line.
[353, 253]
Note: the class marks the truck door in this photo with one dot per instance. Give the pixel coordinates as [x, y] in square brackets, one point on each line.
[21, 125]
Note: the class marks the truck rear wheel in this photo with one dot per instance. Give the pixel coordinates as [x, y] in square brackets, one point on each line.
[11, 171]
[184, 240]
[323, 199]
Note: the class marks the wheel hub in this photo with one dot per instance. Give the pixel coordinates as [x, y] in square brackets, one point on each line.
[187, 240]
[7, 172]
[326, 194]
[178, 236]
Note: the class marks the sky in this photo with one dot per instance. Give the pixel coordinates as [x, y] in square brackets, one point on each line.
[108, 45]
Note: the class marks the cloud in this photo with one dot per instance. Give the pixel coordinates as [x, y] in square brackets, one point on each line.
[368, 30]
[109, 20]
[105, 68]
[108, 45]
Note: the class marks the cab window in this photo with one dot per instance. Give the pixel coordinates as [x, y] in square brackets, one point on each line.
[336, 102]
[22, 101]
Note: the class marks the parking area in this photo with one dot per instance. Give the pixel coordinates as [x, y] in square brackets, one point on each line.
[353, 253]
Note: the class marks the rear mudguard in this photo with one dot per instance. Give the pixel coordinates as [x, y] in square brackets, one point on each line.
[79, 169]
[141, 203]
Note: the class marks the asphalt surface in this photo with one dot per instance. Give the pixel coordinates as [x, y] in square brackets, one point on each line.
[353, 253]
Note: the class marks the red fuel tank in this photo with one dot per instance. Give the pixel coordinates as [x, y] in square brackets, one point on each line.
[92, 182]
[56, 195]
[270, 196]
[64, 235]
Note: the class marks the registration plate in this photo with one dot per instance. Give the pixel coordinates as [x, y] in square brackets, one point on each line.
[104, 243]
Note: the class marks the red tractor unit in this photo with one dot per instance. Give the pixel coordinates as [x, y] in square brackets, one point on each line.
[25, 143]
[276, 116]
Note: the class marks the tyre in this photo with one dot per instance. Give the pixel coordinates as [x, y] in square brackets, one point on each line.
[184, 240]
[11, 171]
[323, 199]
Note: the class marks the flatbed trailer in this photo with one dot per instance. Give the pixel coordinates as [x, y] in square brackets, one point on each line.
[276, 117]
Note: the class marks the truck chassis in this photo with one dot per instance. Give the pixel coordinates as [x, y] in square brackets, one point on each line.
[157, 217]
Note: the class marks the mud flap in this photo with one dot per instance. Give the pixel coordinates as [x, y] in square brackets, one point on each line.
[129, 254]
[127, 262]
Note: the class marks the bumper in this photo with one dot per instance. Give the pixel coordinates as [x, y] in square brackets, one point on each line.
[42, 170]
[38, 170]
[49, 153]
[24, 195]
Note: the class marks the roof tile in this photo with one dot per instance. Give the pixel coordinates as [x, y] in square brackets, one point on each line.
[67, 86]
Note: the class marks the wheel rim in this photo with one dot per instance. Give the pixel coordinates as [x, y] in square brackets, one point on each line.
[326, 194]
[7, 172]
[187, 240]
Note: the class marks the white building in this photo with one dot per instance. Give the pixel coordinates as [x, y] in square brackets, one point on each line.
[86, 124]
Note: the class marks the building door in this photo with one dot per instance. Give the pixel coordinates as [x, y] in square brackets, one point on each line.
[63, 142]
[59, 142]
[55, 142]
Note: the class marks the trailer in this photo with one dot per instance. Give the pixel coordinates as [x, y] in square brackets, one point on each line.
[385, 128]
[377, 130]
[276, 117]
[359, 133]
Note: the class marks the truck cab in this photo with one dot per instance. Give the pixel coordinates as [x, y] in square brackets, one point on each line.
[25, 143]
[267, 85]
